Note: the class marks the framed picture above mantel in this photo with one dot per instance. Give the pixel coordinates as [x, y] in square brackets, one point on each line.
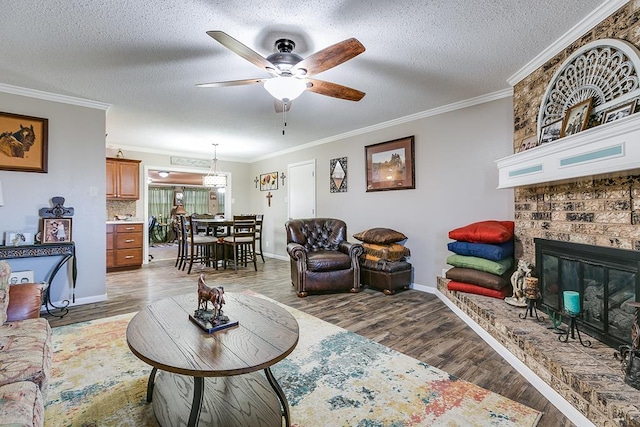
[391, 165]
[23, 143]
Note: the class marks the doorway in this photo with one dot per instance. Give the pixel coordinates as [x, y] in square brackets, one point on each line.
[167, 188]
[302, 189]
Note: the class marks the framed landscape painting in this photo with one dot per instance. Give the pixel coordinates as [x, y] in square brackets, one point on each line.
[391, 165]
[23, 143]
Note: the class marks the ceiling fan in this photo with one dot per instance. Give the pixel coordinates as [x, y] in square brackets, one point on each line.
[290, 73]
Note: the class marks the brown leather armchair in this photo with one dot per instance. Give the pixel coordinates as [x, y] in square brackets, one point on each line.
[321, 257]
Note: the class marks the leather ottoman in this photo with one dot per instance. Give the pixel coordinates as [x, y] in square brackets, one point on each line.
[387, 277]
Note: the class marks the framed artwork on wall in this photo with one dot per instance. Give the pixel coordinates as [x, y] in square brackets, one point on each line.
[269, 181]
[23, 143]
[338, 175]
[56, 230]
[576, 118]
[390, 165]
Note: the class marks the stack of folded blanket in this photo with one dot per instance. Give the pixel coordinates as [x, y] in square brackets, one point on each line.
[483, 258]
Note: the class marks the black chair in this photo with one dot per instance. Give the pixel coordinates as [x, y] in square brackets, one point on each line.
[259, 219]
[152, 226]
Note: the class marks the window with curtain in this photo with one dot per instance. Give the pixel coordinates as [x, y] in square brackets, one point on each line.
[161, 202]
[196, 200]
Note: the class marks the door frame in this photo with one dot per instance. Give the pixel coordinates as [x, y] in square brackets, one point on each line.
[315, 181]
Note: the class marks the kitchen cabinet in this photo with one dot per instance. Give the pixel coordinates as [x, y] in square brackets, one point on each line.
[124, 245]
[123, 179]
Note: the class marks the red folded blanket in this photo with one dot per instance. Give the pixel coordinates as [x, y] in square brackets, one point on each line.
[475, 289]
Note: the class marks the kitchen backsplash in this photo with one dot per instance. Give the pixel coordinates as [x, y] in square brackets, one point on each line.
[120, 207]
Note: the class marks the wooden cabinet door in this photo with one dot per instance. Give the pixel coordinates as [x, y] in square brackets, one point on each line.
[112, 179]
[128, 175]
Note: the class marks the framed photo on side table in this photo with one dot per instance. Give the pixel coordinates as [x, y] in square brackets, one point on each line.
[391, 165]
[23, 143]
[576, 118]
[56, 230]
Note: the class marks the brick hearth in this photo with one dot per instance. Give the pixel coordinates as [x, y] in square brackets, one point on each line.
[590, 379]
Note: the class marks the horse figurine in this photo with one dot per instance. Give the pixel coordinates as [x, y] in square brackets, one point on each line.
[206, 294]
[17, 143]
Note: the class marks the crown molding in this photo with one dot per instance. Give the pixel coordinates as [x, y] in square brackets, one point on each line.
[401, 120]
[591, 20]
[48, 96]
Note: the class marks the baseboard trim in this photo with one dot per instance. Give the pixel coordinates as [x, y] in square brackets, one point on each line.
[574, 415]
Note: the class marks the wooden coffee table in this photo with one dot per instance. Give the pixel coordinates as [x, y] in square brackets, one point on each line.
[183, 355]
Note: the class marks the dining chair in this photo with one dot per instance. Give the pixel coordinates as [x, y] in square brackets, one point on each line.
[259, 219]
[202, 247]
[242, 242]
[182, 237]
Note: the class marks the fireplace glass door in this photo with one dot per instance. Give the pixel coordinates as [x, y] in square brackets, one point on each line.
[607, 280]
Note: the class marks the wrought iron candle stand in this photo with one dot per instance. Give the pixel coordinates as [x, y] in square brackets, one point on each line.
[630, 354]
[532, 294]
[531, 310]
[572, 328]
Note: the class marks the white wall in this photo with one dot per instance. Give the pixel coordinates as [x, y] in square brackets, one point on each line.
[456, 180]
[76, 171]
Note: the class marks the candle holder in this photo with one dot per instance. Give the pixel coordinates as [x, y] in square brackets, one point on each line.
[572, 328]
[532, 294]
[531, 310]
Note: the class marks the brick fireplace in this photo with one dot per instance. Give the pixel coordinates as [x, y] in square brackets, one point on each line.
[601, 211]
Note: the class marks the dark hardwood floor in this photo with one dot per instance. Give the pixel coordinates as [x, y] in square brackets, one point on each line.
[415, 323]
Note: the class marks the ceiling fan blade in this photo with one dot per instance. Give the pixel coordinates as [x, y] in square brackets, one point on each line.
[240, 49]
[334, 90]
[329, 57]
[280, 106]
[231, 83]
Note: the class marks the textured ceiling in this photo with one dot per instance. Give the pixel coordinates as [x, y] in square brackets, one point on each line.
[144, 57]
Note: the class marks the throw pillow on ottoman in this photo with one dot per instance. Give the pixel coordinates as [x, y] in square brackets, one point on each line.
[383, 264]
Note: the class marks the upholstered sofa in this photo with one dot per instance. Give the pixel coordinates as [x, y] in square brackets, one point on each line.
[321, 257]
[25, 352]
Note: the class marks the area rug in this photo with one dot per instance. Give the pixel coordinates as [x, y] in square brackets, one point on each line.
[333, 378]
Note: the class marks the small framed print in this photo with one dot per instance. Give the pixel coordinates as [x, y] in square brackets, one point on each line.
[18, 277]
[338, 175]
[576, 118]
[56, 230]
[269, 181]
[616, 113]
[551, 132]
[528, 143]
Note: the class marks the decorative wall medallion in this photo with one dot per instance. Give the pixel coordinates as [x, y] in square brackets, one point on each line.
[605, 70]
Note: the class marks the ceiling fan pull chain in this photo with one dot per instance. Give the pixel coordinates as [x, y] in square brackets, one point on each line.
[284, 114]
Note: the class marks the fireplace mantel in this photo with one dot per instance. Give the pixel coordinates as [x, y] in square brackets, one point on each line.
[606, 149]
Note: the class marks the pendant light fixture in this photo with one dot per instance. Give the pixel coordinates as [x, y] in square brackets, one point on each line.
[214, 178]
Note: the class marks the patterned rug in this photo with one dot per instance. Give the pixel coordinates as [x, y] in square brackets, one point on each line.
[333, 378]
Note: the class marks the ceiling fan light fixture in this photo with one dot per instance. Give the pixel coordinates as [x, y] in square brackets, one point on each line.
[163, 174]
[287, 87]
[214, 178]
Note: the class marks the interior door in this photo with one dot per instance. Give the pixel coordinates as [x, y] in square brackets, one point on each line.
[301, 180]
